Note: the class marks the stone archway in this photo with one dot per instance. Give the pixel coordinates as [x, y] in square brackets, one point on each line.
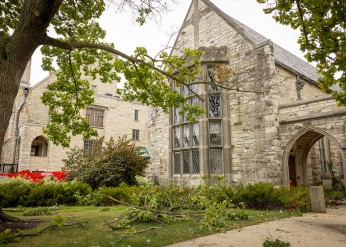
[297, 150]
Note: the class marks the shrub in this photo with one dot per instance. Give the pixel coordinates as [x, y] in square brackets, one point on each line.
[258, 195]
[116, 163]
[73, 188]
[297, 198]
[265, 195]
[45, 194]
[14, 191]
[122, 193]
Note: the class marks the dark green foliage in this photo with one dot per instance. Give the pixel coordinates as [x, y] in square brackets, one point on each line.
[122, 193]
[266, 196]
[14, 192]
[109, 166]
[258, 195]
[275, 243]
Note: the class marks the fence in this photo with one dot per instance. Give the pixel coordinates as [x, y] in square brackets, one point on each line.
[8, 168]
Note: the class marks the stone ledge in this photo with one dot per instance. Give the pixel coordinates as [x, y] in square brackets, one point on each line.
[305, 102]
[312, 117]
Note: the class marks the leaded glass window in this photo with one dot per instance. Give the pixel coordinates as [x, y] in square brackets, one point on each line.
[186, 162]
[185, 91]
[211, 79]
[215, 161]
[176, 158]
[214, 110]
[195, 161]
[194, 101]
[177, 137]
[215, 133]
[176, 115]
[195, 134]
[194, 88]
[186, 136]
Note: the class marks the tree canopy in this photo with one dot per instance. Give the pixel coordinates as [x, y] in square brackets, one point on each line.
[322, 25]
[72, 38]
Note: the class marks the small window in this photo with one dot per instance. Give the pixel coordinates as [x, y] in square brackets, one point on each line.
[186, 162]
[176, 137]
[215, 161]
[136, 115]
[215, 133]
[135, 135]
[176, 168]
[89, 145]
[95, 116]
[214, 106]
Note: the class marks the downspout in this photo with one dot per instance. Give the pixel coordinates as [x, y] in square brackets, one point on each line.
[16, 132]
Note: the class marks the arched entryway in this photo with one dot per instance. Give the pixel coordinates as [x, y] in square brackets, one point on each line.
[39, 147]
[313, 157]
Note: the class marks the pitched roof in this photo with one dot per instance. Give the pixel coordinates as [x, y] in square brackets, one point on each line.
[282, 56]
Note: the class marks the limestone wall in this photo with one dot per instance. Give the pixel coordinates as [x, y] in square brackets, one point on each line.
[119, 120]
[287, 88]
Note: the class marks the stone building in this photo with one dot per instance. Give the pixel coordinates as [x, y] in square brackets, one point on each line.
[26, 145]
[271, 123]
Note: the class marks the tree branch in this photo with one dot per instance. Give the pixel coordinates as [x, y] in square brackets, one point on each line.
[70, 46]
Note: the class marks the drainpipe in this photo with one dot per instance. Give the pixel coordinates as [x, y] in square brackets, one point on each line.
[16, 132]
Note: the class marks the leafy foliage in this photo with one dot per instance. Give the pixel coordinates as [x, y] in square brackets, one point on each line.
[73, 40]
[322, 25]
[37, 211]
[109, 166]
[266, 196]
[18, 191]
[275, 243]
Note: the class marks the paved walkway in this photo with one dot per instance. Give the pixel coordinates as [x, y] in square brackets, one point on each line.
[309, 230]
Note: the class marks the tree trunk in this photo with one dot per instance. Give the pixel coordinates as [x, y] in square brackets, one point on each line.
[6, 218]
[15, 53]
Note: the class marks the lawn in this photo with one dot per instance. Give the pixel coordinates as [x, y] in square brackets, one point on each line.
[95, 231]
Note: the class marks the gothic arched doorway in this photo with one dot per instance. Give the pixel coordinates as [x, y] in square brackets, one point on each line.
[313, 157]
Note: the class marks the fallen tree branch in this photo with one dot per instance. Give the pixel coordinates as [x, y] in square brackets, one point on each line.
[30, 234]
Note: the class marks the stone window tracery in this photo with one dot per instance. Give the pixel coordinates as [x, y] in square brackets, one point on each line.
[198, 146]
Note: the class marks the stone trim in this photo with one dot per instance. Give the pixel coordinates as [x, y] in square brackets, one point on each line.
[305, 102]
[322, 115]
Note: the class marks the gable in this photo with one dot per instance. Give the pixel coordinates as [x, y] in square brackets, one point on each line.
[283, 58]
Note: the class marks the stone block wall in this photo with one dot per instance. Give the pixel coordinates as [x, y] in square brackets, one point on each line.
[119, 120]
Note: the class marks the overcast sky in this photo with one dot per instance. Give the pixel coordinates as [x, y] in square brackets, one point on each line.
[127, 35]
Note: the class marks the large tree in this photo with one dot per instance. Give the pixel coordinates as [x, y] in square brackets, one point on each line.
[71, 38]
[322, 26]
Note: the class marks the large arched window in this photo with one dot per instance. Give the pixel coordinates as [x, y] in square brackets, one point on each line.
[39, 147]
[199, 147]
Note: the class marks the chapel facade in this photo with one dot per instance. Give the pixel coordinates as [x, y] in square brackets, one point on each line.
[270, 123]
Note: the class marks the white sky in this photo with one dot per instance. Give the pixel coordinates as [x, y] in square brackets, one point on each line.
[127, 35]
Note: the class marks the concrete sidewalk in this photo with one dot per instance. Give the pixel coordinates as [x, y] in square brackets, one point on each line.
[310, 230]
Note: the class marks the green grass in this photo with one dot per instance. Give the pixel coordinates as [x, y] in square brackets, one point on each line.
[96, 233]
